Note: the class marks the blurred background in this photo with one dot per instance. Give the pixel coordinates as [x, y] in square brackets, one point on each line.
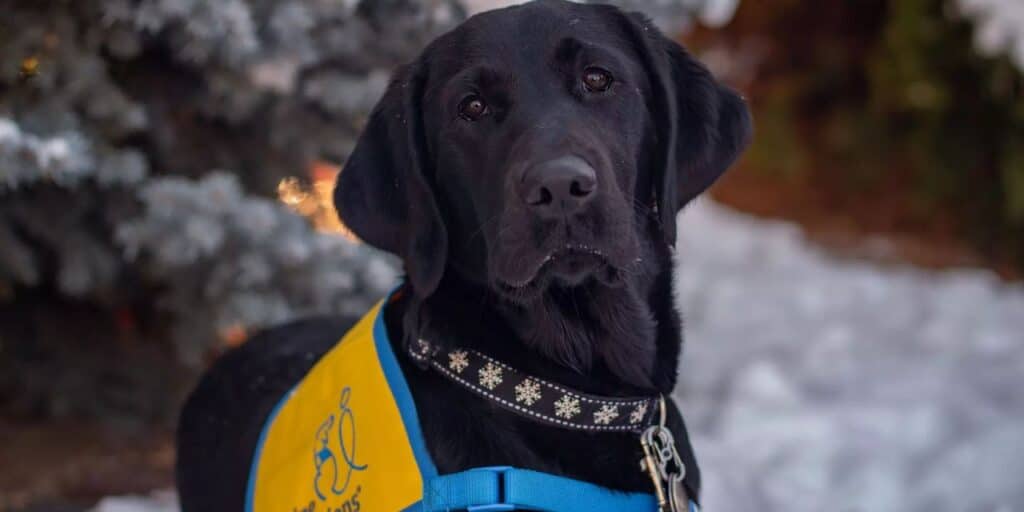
[851, 289]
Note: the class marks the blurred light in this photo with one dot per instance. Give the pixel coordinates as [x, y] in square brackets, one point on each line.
[314, 199]
[234, 335]
[29, 67]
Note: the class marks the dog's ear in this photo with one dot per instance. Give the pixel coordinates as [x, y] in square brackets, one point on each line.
[701, 125]
[383, 193]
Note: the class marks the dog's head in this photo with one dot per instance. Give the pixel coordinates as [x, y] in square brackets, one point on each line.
[530, 147]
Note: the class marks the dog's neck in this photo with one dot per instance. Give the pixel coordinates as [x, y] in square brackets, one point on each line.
[622, 340]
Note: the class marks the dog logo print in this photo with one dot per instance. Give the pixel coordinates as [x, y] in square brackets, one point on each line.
[333, 474]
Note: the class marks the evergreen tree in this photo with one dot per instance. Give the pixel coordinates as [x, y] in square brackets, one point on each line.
[121, 243]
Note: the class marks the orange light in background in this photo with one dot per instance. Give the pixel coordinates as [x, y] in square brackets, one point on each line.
[314, 200]
[234, 335]
[29, 66]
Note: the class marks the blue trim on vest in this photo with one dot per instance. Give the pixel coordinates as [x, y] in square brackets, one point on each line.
[502, 488]
[250, 488]
[402, 396]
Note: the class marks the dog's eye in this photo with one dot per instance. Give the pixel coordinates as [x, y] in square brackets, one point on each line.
[473, 107]
[596, 79]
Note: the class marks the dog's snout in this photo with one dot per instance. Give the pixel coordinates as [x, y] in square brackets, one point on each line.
[559, 187]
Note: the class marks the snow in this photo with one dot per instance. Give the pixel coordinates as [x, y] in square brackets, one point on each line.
[160, 501]
[811, 383]
[999, 27]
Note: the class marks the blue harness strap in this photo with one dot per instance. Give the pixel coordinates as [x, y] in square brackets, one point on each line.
[495, 489]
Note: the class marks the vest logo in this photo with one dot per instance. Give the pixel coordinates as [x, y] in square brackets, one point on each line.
[335, 456]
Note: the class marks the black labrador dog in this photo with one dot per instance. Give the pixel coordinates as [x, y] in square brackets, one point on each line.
[527, 168]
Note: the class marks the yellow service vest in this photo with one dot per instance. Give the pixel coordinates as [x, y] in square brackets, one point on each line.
[346, 438]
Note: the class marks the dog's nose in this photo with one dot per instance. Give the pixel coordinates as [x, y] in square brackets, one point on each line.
[559, 187]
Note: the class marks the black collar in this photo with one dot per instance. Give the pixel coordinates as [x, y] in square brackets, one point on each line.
[535, 398]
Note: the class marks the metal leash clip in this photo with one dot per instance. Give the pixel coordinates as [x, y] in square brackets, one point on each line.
[664, 465]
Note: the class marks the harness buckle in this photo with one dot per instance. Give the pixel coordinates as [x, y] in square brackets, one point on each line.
[502, 504]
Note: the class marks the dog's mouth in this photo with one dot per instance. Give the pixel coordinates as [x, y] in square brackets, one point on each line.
[570, 265]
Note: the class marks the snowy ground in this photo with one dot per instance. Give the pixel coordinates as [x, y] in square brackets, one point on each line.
[813, 384]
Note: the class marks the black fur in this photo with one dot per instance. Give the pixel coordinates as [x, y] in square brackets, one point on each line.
[583, 298]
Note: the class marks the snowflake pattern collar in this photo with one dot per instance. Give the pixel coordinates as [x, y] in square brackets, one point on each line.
[534, 398]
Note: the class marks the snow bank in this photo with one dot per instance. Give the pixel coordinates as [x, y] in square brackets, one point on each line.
[160, 501]
[815, 384]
